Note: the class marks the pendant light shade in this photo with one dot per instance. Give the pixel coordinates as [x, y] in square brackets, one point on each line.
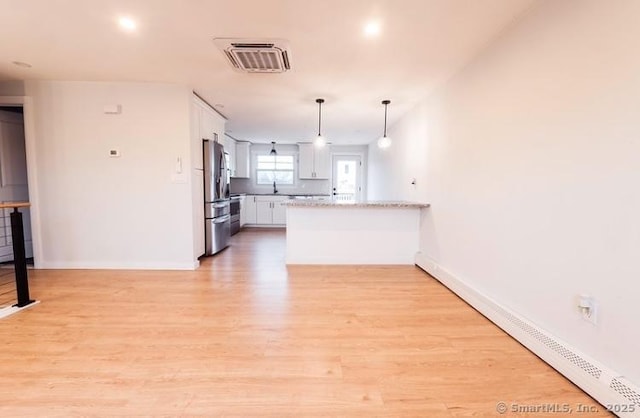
[385, 141]
[320, 141]
[273, 148]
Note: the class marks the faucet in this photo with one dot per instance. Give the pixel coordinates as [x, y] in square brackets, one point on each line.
[274, 188]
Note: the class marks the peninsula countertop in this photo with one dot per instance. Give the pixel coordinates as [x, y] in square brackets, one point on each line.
[363, 204]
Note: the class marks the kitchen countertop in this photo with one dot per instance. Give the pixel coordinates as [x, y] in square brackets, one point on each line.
[278, 194]
[365, 204]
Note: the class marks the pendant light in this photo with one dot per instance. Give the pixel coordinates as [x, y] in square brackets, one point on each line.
[273, 149]
[319, 141]
[385, 141]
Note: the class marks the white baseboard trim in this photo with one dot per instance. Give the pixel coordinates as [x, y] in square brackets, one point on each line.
[602, 383]
[264, 226]
[61, 265]
[10, 310]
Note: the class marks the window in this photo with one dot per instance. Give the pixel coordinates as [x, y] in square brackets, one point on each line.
[278, 168]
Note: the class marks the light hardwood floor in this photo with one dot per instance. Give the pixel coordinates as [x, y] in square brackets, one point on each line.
[247, 336]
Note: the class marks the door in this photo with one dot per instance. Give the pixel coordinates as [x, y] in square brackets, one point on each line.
[250, 210]
[199, 223]
[305, 161]
[347, 178]
[264, 212]
[242, 159]
[280, 212]
[322, 162]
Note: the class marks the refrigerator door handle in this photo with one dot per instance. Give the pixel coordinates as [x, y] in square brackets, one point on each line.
[221, 219]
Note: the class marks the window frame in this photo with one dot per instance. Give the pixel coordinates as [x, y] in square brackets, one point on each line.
[293, 170]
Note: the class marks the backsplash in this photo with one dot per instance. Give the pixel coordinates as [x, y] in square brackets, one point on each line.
[301, 187]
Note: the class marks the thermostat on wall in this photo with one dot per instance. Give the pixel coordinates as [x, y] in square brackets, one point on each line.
[114, 152]
[114, 109]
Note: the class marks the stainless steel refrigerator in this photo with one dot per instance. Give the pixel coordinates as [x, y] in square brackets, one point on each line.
[217, 222]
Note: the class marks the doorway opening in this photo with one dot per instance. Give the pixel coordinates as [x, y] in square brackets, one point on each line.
[347, 178]
[13, 179]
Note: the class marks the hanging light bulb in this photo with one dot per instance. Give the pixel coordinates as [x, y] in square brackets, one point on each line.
[319, 141]
[385, 141]
[273, 148]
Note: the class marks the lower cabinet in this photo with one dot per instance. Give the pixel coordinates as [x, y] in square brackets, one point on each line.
[243, 210]
[250, 210]
[279, 213]
[266, 210]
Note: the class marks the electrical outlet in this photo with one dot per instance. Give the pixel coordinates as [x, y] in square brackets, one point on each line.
[588, 308]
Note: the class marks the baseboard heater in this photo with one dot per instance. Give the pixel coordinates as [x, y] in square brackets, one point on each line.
[602, 383]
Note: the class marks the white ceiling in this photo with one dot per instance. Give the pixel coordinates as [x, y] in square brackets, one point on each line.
[422, 43]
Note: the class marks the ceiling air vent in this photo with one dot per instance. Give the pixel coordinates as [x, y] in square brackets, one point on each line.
[256, 55]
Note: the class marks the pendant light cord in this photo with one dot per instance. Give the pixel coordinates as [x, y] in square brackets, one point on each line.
[386, 103]
[385, 120]
[319, 116]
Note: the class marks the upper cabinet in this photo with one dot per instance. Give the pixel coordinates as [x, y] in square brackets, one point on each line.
[196, 140]
[314, 162]
[211, 124]
[230, 149]
[242, 160]
[206, 123]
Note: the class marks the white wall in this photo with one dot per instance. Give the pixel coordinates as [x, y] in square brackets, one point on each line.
[102, 212]
[529, 158]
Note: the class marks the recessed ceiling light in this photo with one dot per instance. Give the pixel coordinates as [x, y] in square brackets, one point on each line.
[22, 64]
[127, 24]
[372, 29]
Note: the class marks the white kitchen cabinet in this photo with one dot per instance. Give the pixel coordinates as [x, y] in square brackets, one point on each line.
[206, 123]
[313, 162]
[305, 161]
[267, 210]
[322, 162]
[250, 210]
[264, 212]
[198, 225]
[230, 148]
[196, 139]
[279, 212]
[209, 124]
[243, 211]
[242, 160]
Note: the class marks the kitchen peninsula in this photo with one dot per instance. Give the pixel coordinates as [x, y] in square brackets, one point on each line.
[374, 232]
